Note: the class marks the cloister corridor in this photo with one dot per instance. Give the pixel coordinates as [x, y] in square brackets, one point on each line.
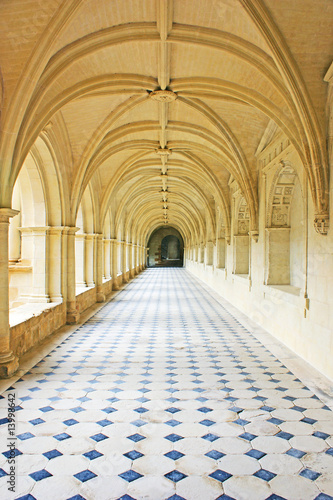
[166, 391]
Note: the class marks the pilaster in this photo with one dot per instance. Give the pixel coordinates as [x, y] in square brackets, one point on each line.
[8, 361]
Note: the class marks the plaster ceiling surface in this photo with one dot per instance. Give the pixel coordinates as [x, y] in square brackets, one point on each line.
[230, 67]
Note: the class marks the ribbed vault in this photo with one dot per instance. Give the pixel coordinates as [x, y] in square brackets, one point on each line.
[157, 106]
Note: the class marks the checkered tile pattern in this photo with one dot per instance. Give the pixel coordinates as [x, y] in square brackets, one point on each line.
[163, 394]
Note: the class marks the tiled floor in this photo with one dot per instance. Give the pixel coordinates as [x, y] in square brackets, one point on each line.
[163, 394]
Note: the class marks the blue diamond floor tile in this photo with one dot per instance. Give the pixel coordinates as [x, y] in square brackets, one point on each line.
[85, 475]
[174, 455]
[220, 475]
[130, 475]
[175, 476]
[133, 455]
[40, 474]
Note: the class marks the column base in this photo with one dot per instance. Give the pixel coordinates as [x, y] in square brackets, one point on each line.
[100, 297]
[72, 317]
[8, 366]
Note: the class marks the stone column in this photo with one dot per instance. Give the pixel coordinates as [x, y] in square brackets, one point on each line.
[141, 257]
[80, 259]
[8, 361]
[40, 266]
[100, 296]
[73, 314]
[124, 261]
[55, 263]
[130, 260]
[107, 259]
[89, 259]
[135, 272]
[15, 239]
[114, 247]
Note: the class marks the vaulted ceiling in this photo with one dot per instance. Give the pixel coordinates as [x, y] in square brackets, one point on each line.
[159, 104]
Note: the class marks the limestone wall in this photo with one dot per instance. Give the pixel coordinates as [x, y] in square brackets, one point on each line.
[30, 324]
[299, 312]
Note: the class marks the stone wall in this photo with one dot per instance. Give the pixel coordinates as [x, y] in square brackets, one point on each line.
[30, 324]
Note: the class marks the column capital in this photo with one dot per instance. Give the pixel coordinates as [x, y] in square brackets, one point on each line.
[7, 213]
[57, 229]
[71, 229]
[37, 230]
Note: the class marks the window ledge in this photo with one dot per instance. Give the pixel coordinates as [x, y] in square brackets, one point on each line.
[27, 311]
[82, 289]
[17, 268]
[293, 290]
[241, 277]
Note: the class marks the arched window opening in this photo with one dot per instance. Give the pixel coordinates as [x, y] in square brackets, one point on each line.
[284, 230]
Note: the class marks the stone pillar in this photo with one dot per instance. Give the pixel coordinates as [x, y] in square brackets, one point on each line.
[39, 239]
[100, 296]
[8, 361]
[277, 270]
[124, 251]
[130, 260]
[134, 261]
[107, 259]
[89, 262]
[80, 253]
[114, 247]
[15, 239]
[55, 263]
[72, 312]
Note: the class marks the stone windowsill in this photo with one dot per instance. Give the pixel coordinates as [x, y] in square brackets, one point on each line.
[241, 278]
[286, 293]
[82, 289]
[27, 311]
[19, 268]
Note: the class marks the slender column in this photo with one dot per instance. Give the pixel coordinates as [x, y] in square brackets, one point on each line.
[80, 253]
[140, 257]
[55, 263]
[8, 361]
[124, 249]
[114, 264]
[72, 312]
[131, 260]
[107, 259]
[134, 261]
[15, 239]
[89, 260]
[40, 265]
[100, 296]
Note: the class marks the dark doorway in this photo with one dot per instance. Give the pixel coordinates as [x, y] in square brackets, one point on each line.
[166, 248]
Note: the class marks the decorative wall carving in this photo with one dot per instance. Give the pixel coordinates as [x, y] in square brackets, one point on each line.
[280, 197]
